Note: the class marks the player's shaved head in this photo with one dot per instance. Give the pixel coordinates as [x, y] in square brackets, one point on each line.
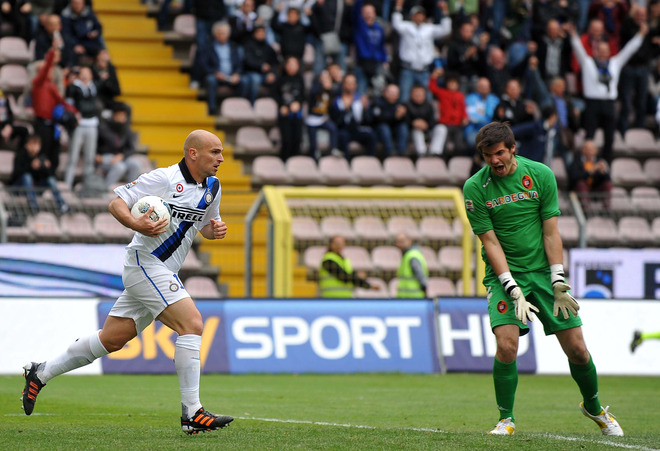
[203, 154]
[196, 140]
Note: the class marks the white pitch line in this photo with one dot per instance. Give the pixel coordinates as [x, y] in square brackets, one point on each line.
[362, 426]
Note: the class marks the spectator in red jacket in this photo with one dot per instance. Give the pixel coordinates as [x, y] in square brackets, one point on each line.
[612, 13]
[453, 116]
[45, 97]
[595, 34]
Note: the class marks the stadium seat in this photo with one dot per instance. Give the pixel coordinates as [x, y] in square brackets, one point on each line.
[359, 257]
[268, 169]
[337, 225]
[652, 170]
[370, 229]
[559, 169]
[393, 286]
[17, 234]
[432, 171]
[459, 169]
[627, 172]
[459, 287]
[439, 287]
[431, 258]
[202, 287]
[254, 141]
[313, 256]
[184, 25]
[191, 261]
[265, 108]
[646, 199]
[405, 224]
[13, 78]
[602, 232]
[308, 55]
[382, 290]
[569, 230]
[78, 227]
[46, 227]
[109, 229]
[655, 229]
[635, 231]
[620, 204]
[368, 170]
[386, 258]
[450, 259]
[302, 170]
[6, 164]
[436, 230]
[237, 109]
[335, 171]
[400, 171]
[305, 229]
[642, 142]
[14, 50]
[457, 225]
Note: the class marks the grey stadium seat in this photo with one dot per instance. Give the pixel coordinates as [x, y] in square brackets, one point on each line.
[602, 232]
[370, 229]
[202, 287]
[313, 256]
[267, 169]
[302, 170]
[337, 225]
[237, 109]
[109, 229]
[635, 231]
[78, 227]
[459, 169]
[569, 230]
[359, 257]
[14, 50]
[627, 172]
[382, 290]
[405, 224]
[401, 171]
[265, 109]
[450, 259]
[431, 258]
[46, 227]
[652, 170]
[646, 199]
[433, 171]
[335, 171]
[304, 228]
[254, 141]
[437, 229]
[368, 170]
[440, 286]
[386, 258]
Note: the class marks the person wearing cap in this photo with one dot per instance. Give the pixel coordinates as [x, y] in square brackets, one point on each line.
[416, 44]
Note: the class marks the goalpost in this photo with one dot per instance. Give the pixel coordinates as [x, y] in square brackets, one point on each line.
[280, 205]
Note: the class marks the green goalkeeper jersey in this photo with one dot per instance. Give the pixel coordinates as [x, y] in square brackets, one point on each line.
[514, 207]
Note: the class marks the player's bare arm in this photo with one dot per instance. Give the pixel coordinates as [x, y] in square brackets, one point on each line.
[552, 241]
[143, 224]
[494, 252]
[216, 230]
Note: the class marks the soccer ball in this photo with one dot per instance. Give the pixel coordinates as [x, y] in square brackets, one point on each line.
[161, 208]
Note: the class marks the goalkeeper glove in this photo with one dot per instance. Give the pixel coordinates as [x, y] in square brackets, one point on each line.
[563, 299]
[523, 307]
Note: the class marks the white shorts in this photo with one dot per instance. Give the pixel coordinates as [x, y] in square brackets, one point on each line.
[149, 287]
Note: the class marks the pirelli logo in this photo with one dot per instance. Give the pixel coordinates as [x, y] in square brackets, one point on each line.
[186, 214]
[510, 198]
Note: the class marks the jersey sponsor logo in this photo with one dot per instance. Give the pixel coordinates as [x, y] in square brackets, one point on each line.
[469, 205]
[487, 182]
[527, 182]
[186, 214]
[179, 188]
[502, 306]
[131, 184]
[509, 198]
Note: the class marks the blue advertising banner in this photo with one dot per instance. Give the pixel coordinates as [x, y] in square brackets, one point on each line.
[153, 350]
[278, 336]
[467, 342]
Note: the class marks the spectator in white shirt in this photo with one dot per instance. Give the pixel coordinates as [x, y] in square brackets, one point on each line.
[416, 44]
[600, 78]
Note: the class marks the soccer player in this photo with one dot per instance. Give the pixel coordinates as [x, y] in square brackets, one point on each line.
[153, 289]
[512, 206]
[639, 337]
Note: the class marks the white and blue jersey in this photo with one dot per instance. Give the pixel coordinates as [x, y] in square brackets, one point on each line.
[193, 206]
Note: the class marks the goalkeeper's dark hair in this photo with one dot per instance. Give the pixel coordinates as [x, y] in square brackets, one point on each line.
[493, 134]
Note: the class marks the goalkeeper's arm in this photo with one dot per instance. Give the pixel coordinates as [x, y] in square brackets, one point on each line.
[552, 243]
[497, 260]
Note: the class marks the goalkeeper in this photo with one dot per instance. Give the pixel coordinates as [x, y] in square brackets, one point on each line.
[512, 206]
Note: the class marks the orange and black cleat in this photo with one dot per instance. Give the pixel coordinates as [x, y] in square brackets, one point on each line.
[203, 421]
[32, 387]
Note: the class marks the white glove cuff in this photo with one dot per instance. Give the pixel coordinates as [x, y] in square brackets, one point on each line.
[557, 273]
[506, 279]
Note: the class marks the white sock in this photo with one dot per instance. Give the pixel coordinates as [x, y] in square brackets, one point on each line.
[82, 352]
[188, 368]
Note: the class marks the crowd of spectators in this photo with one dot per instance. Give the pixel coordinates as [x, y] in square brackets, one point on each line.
[71, 90]
[423, 76]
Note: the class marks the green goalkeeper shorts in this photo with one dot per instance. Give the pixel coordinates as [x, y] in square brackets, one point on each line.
[537, 289]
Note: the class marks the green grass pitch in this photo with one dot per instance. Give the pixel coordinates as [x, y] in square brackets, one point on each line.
[338, 412]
